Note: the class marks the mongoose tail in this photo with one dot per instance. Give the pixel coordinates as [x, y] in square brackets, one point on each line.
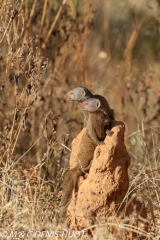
[71, 176]
[98, 124]
[69, 184]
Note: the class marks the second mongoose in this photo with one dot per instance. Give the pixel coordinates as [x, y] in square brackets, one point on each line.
[97, 125]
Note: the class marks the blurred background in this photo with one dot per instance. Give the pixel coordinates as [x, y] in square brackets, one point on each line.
[48, 47]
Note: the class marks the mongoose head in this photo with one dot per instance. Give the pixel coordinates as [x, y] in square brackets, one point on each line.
[90, 105]
[78, 94]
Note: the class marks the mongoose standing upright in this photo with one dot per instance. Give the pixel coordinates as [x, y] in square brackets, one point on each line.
[97, 121]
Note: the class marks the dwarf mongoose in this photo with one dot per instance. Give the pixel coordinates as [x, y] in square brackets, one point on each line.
[98, 123]
[98, 115]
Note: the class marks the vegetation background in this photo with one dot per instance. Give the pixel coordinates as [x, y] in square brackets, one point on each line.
[48, 47]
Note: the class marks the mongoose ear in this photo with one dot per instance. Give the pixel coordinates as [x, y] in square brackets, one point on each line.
[83, 92]
[98, 103]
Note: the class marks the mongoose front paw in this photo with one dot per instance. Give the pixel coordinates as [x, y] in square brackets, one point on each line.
[109, 133]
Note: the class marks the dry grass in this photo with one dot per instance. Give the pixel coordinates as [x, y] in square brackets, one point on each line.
[45, 50]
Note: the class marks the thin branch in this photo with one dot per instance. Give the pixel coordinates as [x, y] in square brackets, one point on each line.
[54, 23]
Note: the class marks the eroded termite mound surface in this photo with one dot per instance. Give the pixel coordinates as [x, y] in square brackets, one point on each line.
[103, 194]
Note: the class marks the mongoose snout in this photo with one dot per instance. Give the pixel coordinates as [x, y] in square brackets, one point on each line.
[91, 105]
[68, 96]
[81, 105]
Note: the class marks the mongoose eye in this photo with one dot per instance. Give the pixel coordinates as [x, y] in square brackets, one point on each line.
[85, 104]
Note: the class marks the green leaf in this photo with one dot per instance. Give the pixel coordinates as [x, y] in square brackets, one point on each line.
[133, 141]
